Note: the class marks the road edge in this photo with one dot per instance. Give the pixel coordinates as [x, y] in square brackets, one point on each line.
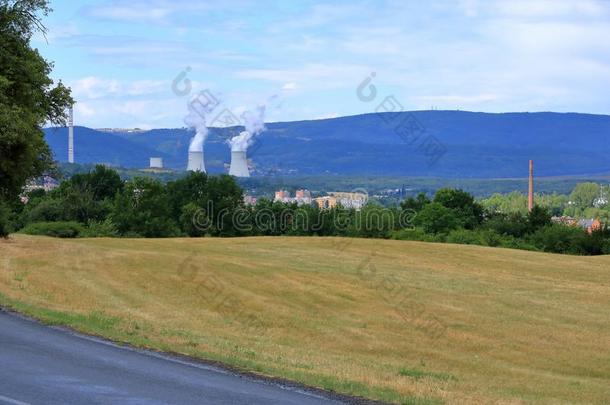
[218, 366]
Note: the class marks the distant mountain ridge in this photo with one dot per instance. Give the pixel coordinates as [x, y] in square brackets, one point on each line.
[480, 145]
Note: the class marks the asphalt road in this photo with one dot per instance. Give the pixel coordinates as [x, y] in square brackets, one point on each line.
[44, 365]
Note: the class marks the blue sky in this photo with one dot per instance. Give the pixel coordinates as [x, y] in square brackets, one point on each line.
[121, 57]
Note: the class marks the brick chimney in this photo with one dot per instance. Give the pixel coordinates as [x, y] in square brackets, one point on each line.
[530, 196]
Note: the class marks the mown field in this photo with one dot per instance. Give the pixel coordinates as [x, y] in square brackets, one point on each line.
[404, 322]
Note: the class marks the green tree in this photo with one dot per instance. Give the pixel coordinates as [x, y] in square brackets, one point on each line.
[28, 97]
[142, 208]
[584, 194]
[4, 219]
[538, 217]
[104, 183]
[513, 224]
[467, 210]
[436, 218]
[192, 222]
[375, 221]
[215, 197]
[415, 204]
[558, 238]
[85, 197]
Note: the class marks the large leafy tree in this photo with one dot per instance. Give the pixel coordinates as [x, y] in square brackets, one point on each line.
[584, 194]
[467, 210]
[203, 204]
[436, 218]
[28, 97]
[143, 208]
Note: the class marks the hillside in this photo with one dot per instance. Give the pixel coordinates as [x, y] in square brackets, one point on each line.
[478, 145]
[399, 321]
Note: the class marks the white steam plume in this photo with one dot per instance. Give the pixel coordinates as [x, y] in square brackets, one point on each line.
[196, 120]
[254, 122]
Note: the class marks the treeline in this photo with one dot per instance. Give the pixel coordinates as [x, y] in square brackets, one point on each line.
[99, 203]
[454, 216]
[586, 200]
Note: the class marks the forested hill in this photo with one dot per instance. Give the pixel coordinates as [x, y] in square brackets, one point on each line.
[479, 145]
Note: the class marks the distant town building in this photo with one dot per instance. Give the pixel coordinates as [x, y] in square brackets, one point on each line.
[350, 200]
[46, 183]
[301, 197]
[345, 199]
[250, 200]
[49, 183]
[565, 220]
[326, 202]
[590, 225]
[282, 196]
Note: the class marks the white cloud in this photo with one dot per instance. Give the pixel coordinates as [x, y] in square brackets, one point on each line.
[289, 86]
[314, 76]
[92, 87]
[487, 55]
[83, 109]
[549, 8]
[327, 116]
[459, 99]
[133, 12]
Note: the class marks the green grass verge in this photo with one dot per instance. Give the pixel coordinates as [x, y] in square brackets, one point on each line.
[123, 332]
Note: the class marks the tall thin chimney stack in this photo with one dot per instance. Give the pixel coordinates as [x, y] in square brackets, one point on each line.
[71, 135]
[530, 196]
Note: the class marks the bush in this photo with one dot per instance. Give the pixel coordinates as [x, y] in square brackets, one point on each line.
[49, 210]
[374, 222]
[4, 220]
[561, 239]
[55, 229]
[510, 242]
[143, 208]
[538, 218]
[416, 234]
[483, 237]
[491, 238]
[606, 247]
[464, 237]
[100, 229]
[436, 218]
[514, 224]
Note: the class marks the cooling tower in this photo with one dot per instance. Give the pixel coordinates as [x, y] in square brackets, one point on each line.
[239, 164]
[156, 163]
[195, 163]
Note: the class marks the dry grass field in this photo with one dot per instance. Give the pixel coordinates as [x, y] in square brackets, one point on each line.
[404, 322]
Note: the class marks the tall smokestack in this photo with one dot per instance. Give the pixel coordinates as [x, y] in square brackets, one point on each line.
[71, 135]
[530, 196]
[195, 162]
[239, 164]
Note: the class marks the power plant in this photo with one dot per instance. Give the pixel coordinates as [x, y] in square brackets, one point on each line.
[239, 164]
[71, 135]
[195, 162]
[156, 163]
